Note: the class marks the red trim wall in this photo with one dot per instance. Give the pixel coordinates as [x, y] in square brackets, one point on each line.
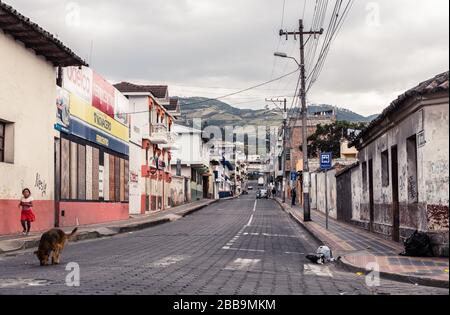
[92, 213]
[10, 216]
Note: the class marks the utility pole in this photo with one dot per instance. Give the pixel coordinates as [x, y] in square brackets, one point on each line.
[285, 116]
[306, 175]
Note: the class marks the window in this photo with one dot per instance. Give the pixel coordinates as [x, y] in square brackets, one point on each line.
[288, 154]
[2, 141]
[411, 152]
[364, 176]
[385, 168]
[193, 175]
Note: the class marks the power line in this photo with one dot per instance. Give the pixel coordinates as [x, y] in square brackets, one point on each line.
[336, 22]
[230, 94]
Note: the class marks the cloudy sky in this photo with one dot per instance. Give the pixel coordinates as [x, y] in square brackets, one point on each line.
[215, 47]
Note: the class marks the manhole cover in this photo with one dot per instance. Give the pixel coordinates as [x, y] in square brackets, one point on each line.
[12, 283]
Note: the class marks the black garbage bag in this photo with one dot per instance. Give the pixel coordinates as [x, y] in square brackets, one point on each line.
[418, 245]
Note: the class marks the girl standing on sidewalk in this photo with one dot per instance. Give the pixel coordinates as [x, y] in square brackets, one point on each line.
[27, 215]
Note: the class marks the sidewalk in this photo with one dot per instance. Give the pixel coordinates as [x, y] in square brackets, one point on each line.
[358, 248]
[11, 243]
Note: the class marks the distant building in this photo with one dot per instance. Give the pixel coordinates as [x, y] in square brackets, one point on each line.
[191, 162]
[348, 152]
[153, 122]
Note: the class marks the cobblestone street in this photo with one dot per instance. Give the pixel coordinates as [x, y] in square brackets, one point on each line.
[234, 247]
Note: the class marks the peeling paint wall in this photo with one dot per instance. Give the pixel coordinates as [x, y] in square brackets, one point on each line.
[318, 195]
[423, 187]
[177, 193]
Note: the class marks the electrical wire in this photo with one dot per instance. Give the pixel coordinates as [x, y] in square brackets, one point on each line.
[230, 94]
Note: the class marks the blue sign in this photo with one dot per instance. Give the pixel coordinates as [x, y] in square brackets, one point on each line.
[326, 161]
[294, 176]
[82, 130]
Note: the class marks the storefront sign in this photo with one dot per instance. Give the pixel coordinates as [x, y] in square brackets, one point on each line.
[62, 107]
[97, 119]
[84, 131]
[79, 82]
[103, 97]
[96, 92]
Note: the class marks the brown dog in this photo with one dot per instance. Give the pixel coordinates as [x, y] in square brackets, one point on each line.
[53, 242]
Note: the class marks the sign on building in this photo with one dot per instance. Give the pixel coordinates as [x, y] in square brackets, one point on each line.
[326, 161]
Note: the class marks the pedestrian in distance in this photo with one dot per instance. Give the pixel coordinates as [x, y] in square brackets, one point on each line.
[294, 195]
[274, 192]
[27, 216]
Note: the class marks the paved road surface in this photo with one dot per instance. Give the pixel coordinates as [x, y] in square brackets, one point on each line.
[239, 246]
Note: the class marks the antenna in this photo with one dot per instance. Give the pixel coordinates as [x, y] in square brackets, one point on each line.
[90, 52]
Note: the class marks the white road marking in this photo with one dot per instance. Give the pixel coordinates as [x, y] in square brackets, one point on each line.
[243, 264]
[10, 283]
[251, 218]
[294, 253]
[245, 250]
[241, 232]
[317, 270]
[167, 261]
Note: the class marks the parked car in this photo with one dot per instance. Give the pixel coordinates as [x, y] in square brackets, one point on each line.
[262, 194]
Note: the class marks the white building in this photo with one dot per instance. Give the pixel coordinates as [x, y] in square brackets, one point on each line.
[29, 58]
[191, 161]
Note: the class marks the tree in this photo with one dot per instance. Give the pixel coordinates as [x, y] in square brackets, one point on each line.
[327, 138]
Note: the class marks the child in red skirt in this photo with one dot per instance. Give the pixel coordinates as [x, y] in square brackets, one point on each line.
[27, 215]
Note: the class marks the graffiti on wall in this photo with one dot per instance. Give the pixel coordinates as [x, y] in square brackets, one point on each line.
[40, 184]
[412, 188]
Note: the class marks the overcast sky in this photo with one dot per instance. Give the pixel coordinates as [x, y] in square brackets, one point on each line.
[214, 47]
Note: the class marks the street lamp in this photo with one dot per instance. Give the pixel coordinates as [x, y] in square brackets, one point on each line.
[284, 55]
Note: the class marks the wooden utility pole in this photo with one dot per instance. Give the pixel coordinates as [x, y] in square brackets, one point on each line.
[306, 175]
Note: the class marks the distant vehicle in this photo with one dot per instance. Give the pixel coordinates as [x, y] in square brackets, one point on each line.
[261, 181]
[262, 194]
[250, 188]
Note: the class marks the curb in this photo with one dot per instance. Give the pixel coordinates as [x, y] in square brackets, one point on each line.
[386, 275]
[17, 245]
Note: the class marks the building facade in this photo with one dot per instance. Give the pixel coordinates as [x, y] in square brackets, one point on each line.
[401, 182]
[29, 59]
[191, 162]
[155, 124]
[92, 151]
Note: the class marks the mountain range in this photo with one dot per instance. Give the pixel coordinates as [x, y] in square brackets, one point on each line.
[218, 113]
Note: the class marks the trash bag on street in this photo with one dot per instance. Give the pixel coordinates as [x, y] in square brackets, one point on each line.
[418, 245]
[322, 256]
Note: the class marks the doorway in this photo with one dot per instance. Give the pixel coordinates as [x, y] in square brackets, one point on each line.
[371, 196]
[395, 196]
[205, 187]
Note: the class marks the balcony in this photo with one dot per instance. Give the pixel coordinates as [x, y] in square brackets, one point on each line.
[171, 143]
[159, 134]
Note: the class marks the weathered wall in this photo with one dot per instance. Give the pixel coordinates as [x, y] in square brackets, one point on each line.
[330, 194]
[139, 127]
[27, 96]
[423, 203]
[177, 193]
